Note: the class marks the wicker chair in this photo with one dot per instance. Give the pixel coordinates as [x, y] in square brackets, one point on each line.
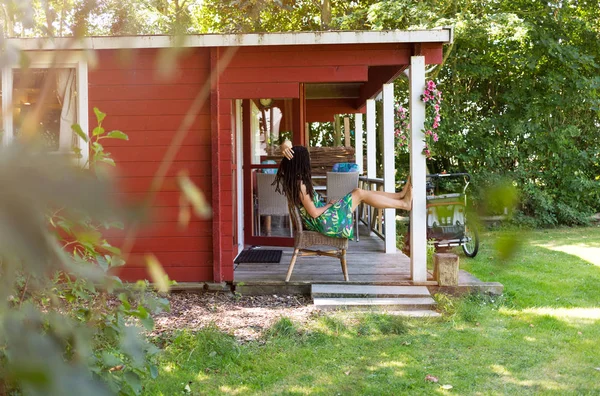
[338, 185]
[304, 239]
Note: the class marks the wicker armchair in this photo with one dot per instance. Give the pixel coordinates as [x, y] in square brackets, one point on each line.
[304, 239]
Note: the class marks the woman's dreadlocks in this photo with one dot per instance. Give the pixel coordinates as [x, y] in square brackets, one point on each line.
[293, 172]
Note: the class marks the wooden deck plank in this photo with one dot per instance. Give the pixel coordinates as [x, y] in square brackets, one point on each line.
[367, 262]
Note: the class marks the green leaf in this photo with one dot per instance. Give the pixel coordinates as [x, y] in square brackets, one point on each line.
[107, 160]
[133, 380]
[153, 371]
[148, 322]
[98, 131]
[77, 129]
[117, 135]
[110, 360]
[157, 273]
[99, 115]
[194, 196]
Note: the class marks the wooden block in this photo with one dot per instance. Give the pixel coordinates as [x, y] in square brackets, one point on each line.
[445, 270]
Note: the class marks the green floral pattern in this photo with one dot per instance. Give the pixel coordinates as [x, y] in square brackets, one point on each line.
[337, 221]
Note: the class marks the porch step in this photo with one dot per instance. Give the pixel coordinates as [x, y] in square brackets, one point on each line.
[341, 290]
[413, 301]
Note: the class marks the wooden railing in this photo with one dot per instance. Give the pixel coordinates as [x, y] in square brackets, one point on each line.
[369, 215]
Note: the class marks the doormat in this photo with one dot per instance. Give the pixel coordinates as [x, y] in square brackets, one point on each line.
[259, 256]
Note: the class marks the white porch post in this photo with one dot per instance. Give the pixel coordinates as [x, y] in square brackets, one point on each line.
[418, 215]
[371, 143]
[358, 141]
[389, 165]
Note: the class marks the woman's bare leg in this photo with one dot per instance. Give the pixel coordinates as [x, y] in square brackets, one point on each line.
[398, 195]
[381, 201]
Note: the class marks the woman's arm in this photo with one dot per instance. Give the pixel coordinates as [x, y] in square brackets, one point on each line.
[286, 149]
[309, 205]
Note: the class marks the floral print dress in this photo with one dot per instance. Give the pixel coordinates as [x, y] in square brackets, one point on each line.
[337, 221]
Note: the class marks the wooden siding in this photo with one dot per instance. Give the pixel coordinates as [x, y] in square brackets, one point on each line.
[148, 103]
[147, 99]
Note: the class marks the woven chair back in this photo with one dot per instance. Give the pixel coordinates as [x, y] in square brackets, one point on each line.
[270, 202]
[296, 219]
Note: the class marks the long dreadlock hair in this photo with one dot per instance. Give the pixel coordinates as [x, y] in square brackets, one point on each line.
[293, 172]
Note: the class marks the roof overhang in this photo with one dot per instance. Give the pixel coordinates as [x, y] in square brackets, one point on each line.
[442, 35]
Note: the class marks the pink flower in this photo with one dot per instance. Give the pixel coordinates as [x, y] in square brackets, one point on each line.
[428, 133]
[435, 137]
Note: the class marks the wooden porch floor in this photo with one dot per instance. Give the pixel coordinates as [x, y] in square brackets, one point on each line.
[367, 263]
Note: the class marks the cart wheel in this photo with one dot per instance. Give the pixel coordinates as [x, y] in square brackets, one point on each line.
[472, 246]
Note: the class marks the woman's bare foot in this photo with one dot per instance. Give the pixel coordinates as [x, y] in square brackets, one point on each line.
[407, 185]
[408, 198]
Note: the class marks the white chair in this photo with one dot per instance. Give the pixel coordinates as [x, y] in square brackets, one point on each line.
[269, 202]
[338, 185]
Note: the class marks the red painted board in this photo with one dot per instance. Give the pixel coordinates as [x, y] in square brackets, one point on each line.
[179, 274]
[337, 56]
[253, 90]
[313, 74]
[149, 123]
[145, 77]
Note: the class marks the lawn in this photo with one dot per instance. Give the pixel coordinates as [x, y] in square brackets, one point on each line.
[541, 337]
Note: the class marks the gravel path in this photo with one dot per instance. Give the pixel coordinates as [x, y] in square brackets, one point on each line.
[244, 317]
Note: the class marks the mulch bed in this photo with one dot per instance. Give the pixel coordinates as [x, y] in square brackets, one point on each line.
[245, 317]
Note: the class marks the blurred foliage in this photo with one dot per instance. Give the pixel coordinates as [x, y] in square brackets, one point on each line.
[62, 329]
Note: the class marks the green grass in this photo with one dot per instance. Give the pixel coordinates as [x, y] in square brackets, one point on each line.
[541, 337]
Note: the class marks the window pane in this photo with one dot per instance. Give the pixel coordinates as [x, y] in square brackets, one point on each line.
[51, 94]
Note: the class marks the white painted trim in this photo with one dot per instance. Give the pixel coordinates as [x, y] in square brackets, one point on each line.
[371, 139]
[441, 35]
[418, 171]
[389, 165]
[82, 109]
[358, 141]
[239, 183]
[7, 114]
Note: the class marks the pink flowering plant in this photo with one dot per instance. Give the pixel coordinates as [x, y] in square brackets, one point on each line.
[432, 97]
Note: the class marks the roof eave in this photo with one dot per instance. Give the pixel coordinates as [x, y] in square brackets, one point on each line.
[442, 35]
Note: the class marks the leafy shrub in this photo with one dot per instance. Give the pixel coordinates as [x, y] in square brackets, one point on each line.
[62, 331]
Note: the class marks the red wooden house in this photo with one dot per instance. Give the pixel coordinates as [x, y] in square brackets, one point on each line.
[217, 82]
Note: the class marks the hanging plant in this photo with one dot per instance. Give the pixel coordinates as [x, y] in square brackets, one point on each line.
[432, 97]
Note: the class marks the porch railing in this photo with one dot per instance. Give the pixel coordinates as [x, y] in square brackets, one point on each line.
[369, 215]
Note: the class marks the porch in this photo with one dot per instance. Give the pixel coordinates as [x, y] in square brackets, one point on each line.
[368, 263]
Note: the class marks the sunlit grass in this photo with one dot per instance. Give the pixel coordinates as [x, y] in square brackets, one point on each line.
[540, 337]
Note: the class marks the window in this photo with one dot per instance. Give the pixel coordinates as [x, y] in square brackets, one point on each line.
[54, 88]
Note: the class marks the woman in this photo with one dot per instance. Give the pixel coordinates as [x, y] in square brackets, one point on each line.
[334, 218]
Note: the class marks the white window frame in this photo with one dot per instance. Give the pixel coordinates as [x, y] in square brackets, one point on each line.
[46, 60]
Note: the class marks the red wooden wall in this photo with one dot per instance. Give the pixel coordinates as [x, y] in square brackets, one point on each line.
[149, 107]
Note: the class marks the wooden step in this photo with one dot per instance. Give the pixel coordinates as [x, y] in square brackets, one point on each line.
[378, 303]
[344, 290]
